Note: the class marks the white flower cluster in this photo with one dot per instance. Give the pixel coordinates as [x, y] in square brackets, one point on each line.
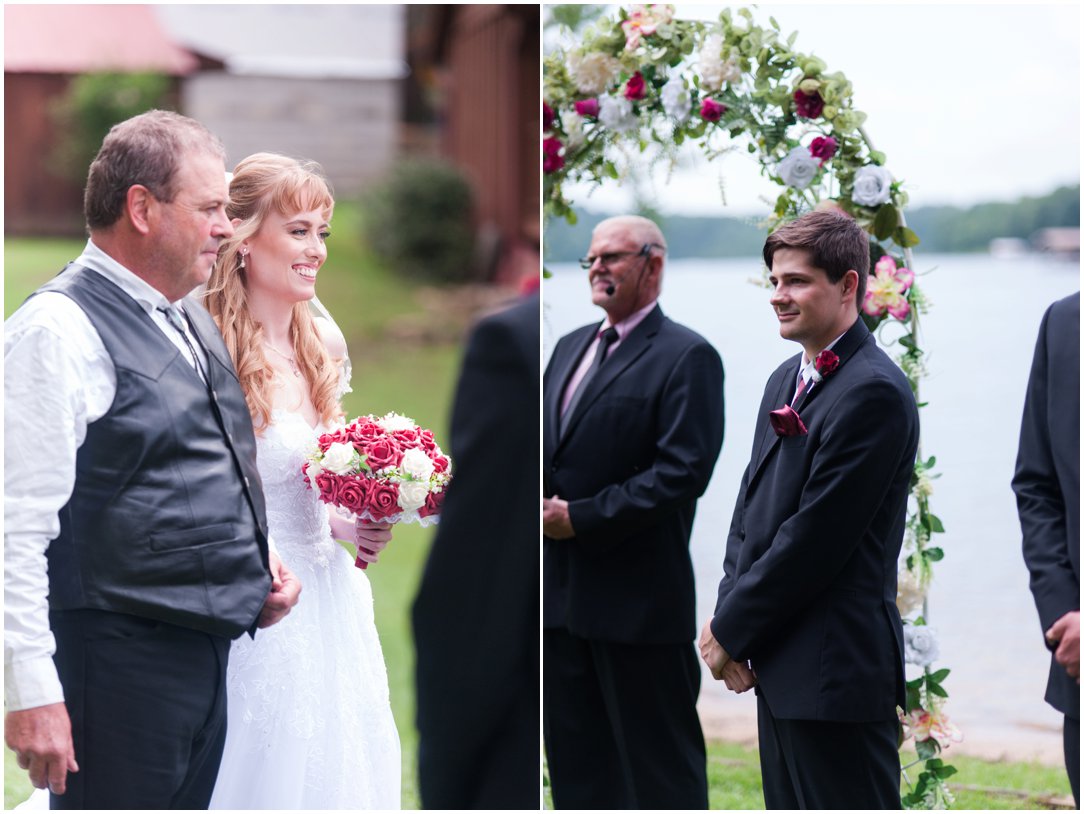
[592, 72]
[714, 70]
[615, 113]
[676, 100]
[910, 591]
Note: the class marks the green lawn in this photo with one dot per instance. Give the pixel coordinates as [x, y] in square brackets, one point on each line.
[390, 372]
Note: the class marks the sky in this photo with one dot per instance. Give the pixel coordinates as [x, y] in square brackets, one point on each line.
[970, 102]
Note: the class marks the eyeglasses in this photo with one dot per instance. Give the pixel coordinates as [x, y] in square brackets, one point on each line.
[612, 257]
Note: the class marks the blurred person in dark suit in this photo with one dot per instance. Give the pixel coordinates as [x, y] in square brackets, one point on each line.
[476, 613]
[1047, 486]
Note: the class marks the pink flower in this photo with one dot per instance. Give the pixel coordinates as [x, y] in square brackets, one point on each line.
[823, 147]
[635, 88]
[547, 116]
[887, 288]
[711, 110]
[552, 160]
[924, 725]
[808, 105]
[642, 21]
[587, 107]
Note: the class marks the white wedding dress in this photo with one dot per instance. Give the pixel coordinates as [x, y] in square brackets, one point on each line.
[309, 719]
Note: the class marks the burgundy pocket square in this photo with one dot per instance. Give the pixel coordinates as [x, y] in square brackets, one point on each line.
[786, 422]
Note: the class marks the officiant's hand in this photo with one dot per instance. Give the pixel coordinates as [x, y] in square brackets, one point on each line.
[285, 590]
[712, 652]
[41, 738]
[556, 524]
[1065, 634]
[371, 538]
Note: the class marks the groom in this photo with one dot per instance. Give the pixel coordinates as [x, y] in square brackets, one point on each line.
[807, 605]
[135, 542]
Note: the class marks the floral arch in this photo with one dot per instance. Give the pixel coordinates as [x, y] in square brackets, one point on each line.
[644, 80]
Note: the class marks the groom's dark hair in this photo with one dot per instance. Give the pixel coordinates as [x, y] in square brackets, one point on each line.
[834, 241]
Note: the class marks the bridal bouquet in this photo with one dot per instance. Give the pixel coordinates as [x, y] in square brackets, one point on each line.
[385, 470]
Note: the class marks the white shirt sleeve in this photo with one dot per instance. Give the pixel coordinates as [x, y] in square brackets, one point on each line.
[58, 378]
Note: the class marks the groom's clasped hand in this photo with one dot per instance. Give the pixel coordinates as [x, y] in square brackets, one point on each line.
[738, 676]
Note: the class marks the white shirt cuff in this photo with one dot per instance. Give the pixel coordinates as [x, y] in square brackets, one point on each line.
[31, 683]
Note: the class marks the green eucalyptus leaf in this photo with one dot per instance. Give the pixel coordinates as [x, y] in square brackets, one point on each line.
[940, 675]
[934, 554]
[927, 749]
[885, 222]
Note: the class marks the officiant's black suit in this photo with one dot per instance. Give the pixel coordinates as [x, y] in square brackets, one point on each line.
[620, 673]
[1047, 486]
[476, 614]
[809, 592]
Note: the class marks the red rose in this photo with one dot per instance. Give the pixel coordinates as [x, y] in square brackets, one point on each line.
[383, 500]
[353, 493]
[328, 485]
[407, 439]
[635, 88]
[826, 362]
[428, 442]
[711, 110]
[587, 107]
[433, 504]
[808, 105]
[382, 452]
[329, 438]
[552, 160]
[440, 463]
[823, 147]
[547, 116]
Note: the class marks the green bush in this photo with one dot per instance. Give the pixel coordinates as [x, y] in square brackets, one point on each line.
[95, 102]
[419, 221]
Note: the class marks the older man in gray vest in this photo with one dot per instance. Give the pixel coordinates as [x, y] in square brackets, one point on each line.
[135, 536]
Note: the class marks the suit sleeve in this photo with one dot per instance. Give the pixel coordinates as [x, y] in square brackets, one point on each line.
[690, 435]
[476, 613]
[1040, 501]
[862, 448]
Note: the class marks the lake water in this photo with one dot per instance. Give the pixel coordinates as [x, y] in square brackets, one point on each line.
[979, 336]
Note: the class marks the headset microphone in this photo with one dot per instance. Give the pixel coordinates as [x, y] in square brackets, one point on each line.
[610, 290]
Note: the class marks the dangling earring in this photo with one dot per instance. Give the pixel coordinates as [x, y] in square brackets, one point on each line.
[243, 258]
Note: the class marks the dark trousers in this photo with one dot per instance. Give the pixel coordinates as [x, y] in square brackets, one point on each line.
[147, 702]
[828, 764]
[620, 724]
[1071, 736]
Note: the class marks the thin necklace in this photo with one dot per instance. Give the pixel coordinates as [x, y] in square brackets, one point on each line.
[292, 360]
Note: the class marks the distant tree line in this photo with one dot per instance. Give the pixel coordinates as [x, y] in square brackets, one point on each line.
[941, 228]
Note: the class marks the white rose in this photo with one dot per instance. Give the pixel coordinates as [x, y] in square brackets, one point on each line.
[910, 591]
[920, 645]
[393, 421]
[417, 464]
[711, 64]
[615, 113]
[676, 100]
[314, 470]
[872, 186]
[798, 168]
[593, 72]
[573, 123]
[337, 458]
[412, 495]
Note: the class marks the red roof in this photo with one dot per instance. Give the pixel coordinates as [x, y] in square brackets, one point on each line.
[80, 38]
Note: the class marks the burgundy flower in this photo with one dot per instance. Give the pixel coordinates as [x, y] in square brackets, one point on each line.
[587, 107]
[786, 422]
[552, 160]
[826, 362]
[433, 504]
[353, 493]
[823, 147]
[808, 105]
[328, 484]
[381, 453]
[711, 110]
[547, 116]
[636, 88]
[383, 500]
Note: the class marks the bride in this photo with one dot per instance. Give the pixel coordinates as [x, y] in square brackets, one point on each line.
[309, 720]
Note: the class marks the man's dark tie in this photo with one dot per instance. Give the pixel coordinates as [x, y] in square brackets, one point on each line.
[177, 321]
[801, 389]
[608, 337]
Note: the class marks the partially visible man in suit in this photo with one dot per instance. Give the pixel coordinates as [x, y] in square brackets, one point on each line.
[1047, 486]
[807, 605]
[632, 426]
[476, 613]
[135, 537]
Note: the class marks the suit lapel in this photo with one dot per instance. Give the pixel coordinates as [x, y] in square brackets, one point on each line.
[561, 370]
[845, 348]
[632, 347]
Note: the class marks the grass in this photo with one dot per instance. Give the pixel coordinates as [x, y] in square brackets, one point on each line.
[414, 378]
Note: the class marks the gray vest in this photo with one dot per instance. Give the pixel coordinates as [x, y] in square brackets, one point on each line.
[166, 520]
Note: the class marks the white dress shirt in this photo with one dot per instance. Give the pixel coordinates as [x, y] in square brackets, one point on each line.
[58, 379]
[807, 366]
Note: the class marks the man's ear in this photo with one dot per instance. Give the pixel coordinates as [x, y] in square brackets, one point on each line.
[140, 208]
[850, 285]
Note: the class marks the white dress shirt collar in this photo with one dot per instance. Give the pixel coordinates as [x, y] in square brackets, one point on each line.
[807, 366]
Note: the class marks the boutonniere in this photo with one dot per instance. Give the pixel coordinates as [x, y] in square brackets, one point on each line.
[825, 364]
[786, 422]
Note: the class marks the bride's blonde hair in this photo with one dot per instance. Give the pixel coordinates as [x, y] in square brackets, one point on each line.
[261, 183]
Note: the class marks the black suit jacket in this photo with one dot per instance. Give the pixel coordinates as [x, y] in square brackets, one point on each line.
[476, 612]
[1047, 481]
[637, 452]
[809, 592]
